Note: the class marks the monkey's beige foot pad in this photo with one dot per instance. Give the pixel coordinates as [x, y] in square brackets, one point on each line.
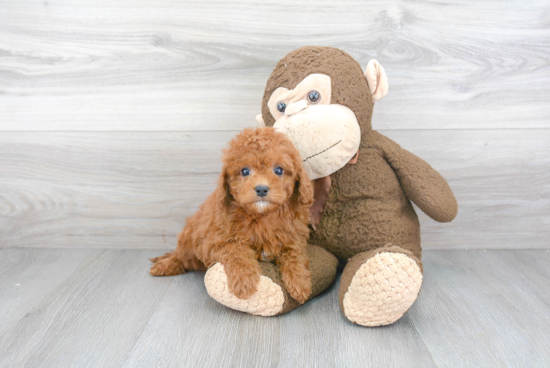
[267, 301]
[382, 290]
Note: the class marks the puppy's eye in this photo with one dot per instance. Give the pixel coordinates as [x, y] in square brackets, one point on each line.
[313, 96]
[281, 106]
[278, 171]
[245, 171]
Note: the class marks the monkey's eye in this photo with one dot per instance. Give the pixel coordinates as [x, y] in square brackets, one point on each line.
[313, 96]
[278, 171]
[245, 171]
[281, 106]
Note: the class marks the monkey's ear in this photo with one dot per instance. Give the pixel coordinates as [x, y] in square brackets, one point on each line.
[377, 80]
[260, 120]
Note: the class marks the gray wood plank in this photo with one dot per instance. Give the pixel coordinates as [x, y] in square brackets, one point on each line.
[187, 65]
[315, 335]
[481, 308]
[318, 335]
[128, 190]
[189, 329]
[134, 190]
[28, 275]
[476, 308]
[91, 319]
[531, 269]
[538, 260]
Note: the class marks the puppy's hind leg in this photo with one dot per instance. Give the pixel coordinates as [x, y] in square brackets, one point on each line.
[180, 261]
[167, 265]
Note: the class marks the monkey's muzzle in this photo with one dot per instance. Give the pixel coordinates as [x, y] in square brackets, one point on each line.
[327, 137]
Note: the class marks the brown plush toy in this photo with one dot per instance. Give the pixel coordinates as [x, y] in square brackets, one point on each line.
[364, 182]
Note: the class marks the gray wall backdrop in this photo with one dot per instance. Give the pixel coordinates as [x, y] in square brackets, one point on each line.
[113, 112]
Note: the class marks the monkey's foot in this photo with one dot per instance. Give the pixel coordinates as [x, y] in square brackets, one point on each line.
[267, 301]
[272, 298]
[382, 289]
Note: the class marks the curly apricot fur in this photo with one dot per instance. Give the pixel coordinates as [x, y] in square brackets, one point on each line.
[237, 228]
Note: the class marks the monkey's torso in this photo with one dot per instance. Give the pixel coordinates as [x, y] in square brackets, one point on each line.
[367, 208]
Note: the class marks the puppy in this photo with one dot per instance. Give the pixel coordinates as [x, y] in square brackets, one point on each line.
[259, 211]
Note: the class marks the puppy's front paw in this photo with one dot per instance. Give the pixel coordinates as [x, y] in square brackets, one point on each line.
[298, 285]
[243, 281]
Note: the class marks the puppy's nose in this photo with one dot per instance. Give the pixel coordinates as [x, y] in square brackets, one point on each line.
[261, 190]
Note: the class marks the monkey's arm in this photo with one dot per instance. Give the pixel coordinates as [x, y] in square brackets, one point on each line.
[421, 183]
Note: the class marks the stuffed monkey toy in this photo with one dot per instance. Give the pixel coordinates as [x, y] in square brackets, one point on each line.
[362, 219]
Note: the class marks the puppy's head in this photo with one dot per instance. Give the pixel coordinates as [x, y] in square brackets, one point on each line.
[262, 170]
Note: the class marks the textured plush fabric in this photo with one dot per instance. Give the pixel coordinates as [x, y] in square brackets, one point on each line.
[319, 82]
[267, 301]
[326, 135]
[349, 86]
[272, 298]
[369, 203]
[322, 266]
[377, 80]
[382, 289]
[358, 260]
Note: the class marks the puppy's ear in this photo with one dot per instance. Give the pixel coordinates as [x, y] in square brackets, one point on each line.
[223, 192]
[303, 185]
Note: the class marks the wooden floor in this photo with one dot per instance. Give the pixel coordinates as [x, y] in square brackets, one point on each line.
[100, 308]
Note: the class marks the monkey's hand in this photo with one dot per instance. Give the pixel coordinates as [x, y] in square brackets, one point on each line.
[421, 183]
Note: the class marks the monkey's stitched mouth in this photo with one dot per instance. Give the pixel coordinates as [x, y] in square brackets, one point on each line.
[326, 149]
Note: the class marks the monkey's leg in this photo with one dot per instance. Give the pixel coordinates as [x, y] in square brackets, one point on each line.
[378, 286]
[272, 298]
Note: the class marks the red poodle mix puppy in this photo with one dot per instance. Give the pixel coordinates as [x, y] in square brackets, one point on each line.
[259, 211]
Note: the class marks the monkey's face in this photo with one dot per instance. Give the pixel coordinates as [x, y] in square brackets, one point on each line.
[326, 135]
[322, 99]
